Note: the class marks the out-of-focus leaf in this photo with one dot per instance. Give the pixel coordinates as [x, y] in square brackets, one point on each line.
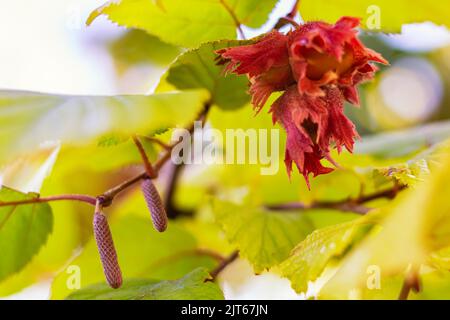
[27, 172]
[60, 246]
[191, 287]
[186, 23]
[436, 286]
[417, 223]
[309, 258]
[403, 142]
[198, 69]
[33, 118]
[392, 14]
[263, 237]
[24, 229]
[441, 259]
[139, 47]
[142, 252]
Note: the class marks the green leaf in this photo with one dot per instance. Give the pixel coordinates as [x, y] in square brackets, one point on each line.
[391, 14]
[263, 237]
[33, 118]
[191, 287]
[186, 23]
[24, 230]
[198, 69]
[139, 47]
[142, 252]
[308, 259]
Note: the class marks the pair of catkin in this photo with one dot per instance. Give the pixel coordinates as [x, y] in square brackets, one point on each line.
[104, 240]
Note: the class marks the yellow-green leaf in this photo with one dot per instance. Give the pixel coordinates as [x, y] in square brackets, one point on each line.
[263, 237]
[142, 253]
[24, 229]
[417, 224]
[197, 69]
[378, 15]
[187, 23]
[191, 287]
[308, 259]
[34, 118]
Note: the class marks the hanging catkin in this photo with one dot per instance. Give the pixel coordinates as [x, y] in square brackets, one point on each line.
[107, 251]
[155, 205]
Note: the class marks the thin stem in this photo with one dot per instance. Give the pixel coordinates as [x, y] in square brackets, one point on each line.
[348, 205]
[294, 10]
[71, 197]
[148, 166]
[404, 293]
[158, 142]
[234, 17]
[108, 196]
[289, 17]
[411, 283]
[214, 273]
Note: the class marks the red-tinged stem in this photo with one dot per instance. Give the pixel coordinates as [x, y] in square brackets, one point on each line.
[70, 197]
[147, 165]
[108, 196]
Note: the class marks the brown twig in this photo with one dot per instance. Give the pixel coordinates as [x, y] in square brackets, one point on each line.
[106, 198]
[214, 273]
[171, 188]
[411, 283]
[288, 18]
[109, 195]
[347, 205]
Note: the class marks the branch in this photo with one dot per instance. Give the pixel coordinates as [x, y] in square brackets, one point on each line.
[108, 196]
[169, 204]
[411, 282]
[348, 205]
[214, 273]
[288, 18]
[172, 210]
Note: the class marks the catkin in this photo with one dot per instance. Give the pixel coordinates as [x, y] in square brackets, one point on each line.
[107, 252]
[155, 205]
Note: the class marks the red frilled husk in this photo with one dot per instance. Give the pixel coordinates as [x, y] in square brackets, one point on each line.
[266, 63]
[318, 66]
